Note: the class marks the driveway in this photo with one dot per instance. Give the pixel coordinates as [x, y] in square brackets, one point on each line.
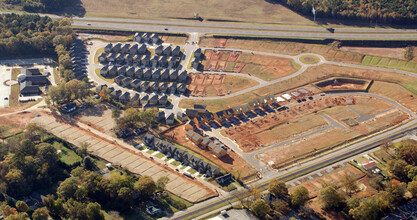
[5, 74]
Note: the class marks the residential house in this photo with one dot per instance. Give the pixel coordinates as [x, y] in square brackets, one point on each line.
[121, 70]
[195, 64]
[159, 50]
[219, 151]
[212, 170]
[144, 100]
[154, 61]
[205, 142]
[208, 116]
[173, 76]
[163, 62]
[163, 87]
[147, 75]
[146, 37]
[200, 108]
[219, 116]
[189, 125]
[263, 101]
[178, 154]
[112, 71]
[116, 94]
[129, 59]
[167, 51]
[100, 87]
[197, 138]
[102, 58]
[138, 37]
[246, 108]
[271, 99]
[135, 84]
[153, 100]
[120, 58]
[172, 88]
[154, 38]
[134, 49]
[369, 165]
[156, 75]
[130, 72]
[26, 88]
[111, 89]
[183, 77]
[224, 179]
[142, 49]
[176, 51]
[254, 104]
[229, 112]
[165, 75]
[124, 98]
[144, 85]
[145, 60]
[126, 82]
[139, 73]
[238, 110]
[160, 116]
[148, 139]
[182, 116]
[118, 79]
[173, 62]
[111, 57]
[163, 100]
[170, 120]
[194, 161]
[116, 48]
[135, 100]
[104, 70]
[198, 54]
[125, 49]
[155, 87]
[108, 48]
[182, 87]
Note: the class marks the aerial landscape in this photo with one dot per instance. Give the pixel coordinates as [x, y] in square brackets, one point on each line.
[262, 109]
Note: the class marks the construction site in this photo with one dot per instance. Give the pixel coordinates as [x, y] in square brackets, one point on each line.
[201, 84]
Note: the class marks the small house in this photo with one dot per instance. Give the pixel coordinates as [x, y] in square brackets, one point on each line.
[198, 54]
[108, 48]
[159, 50]
[189, 125]
[126, 82]
[118, 79]
[102, 58]
[195, 64]
[170, 119]
[146, 37]
[135, 84]
[219, 151]
[130, 72]
[173, 62]
[182, 116]
[144, 86]
[205, 142]
[147, 75]
[154, 62]
[156, 75]
[190, 134]
[154, 38]
[167, 51]
[121, 70]
[144, 100]
[183, 76]
[200, 108]
[160, 116]
[197, 138]
[369, 165]
[120, 58]
[246, 108]
[173, 76]
[104, 70]
[100, 87]
[148, 139]
[111, 57]
[163, 62]
[116, 48]
[163, 100]
[134, 49]
[142, 49]
[138, 73]
[153, 100]
[125, 49]
[254, 104]
[163, 87]
[135, 100]
[129, 59]
[116, 94]
[165, 75]
[182, 87]
[124, 98]
[176, 51]
[113, 71]
[138, 38]
[155, 87]
[172, 88]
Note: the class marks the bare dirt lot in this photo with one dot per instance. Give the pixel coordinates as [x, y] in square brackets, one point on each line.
[261, 66]
[232, 163]
[217, 85]
[99, 117]
[377, 51]
[314, 74]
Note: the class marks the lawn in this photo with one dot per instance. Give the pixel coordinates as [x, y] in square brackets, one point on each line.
[192, 171]
[309, 59]
[176, 163]
[237, 83]
[173, 202]
[150, 151]
[412, 86]
[98, 52]
[67, 156]
[56, 75]
[111, 81]
[160, 155]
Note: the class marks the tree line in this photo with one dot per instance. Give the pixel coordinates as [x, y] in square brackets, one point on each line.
[41, 5]
[384, 11]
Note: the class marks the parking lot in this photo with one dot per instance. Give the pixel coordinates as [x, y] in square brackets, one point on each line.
[5, 74]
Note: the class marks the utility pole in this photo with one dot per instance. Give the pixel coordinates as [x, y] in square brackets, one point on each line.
[314, 13]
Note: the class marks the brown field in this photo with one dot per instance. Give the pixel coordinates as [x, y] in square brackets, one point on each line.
[217, 85]
[232, 163]
[377, 51]
[99, 117]
[238, 10]
[261, 66]
[332, 137]
[283, 47]
[340, 113]
[370, 105]
[317, 73]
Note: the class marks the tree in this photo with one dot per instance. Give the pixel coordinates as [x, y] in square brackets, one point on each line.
[148, 117]
[280, 207]
[94, 211]
[412, 188]
[377, 182]
[146, 187]
[330, 198]
[116, 113]
[383, 200]
[88, 163]
[278, 188]
[260, 208]
[28, 147]
[8, 210]
[349, 184]
[21, 206]
[367, 210]
[300, 196]
[161, 183]
[47, 153]
[397, 190]
[352, 203]
[67, 188]
[40, 214]
[412, 173]
[82, 151]
[398, 168]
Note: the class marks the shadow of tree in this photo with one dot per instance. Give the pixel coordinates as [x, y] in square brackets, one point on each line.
[74, 9]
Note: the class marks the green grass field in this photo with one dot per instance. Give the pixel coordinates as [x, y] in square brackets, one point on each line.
[390, 63]
[175, 163]
[98, 52]
[67, 156]
[160, 155]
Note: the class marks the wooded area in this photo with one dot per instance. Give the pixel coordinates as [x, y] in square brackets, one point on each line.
[41, 5]
[385, 11]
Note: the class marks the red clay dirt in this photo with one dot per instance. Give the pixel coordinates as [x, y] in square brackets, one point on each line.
[201, 82]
